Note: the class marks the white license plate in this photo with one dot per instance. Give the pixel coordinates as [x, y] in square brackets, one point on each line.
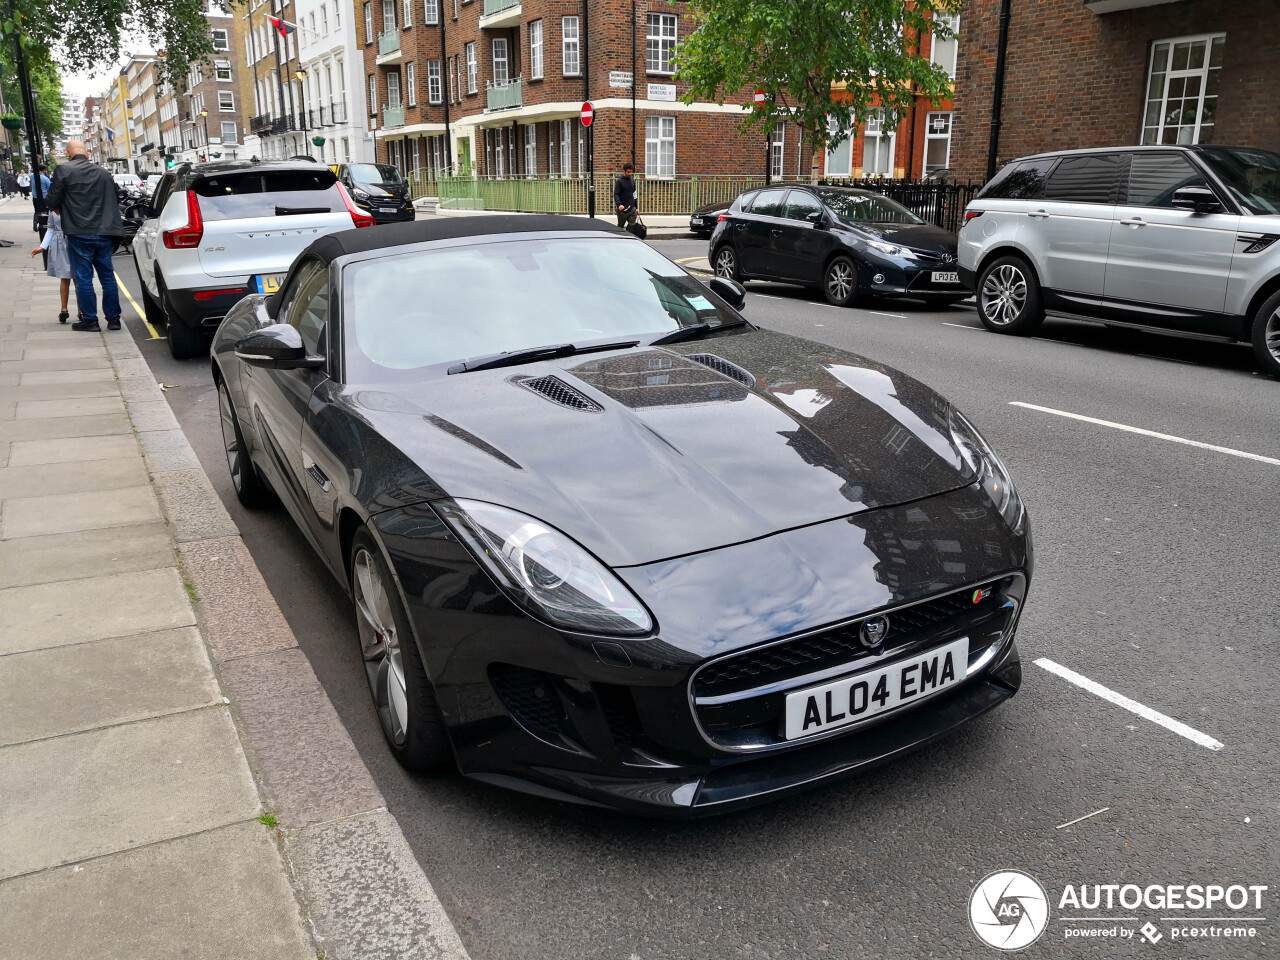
[945, 276]
[268, 282]
[387, 209]
[863, 695]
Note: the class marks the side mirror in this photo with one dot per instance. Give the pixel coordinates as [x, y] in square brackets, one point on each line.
[816, 217]
[138, 211]
[1199, 199]
[278, 346]
[730, 291]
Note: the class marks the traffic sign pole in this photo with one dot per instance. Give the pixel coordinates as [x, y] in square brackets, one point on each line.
[587, 116]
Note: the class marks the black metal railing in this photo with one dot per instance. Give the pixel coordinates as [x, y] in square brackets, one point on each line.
[260, 123]
[338, 111]
[941, 202]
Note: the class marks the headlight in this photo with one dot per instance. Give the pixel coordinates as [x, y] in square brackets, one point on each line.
[892, 249]
[545, 571]
[359, 194]
[987, 468]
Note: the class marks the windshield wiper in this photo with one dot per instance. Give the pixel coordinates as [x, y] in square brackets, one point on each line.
[691, 331]
[515, 357]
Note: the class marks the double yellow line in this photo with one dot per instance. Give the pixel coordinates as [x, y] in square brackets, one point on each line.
[142, 314]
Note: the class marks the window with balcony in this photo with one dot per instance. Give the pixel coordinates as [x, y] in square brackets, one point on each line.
[501, 73]
[433, 81]
[393, 89]
[566, 147]
[226, 101]
[431, 12]
[660, 43]
[221, 40]
[388, 15]
[569, 60]
[473, 68]
[531, 150]
[411, 83]
[535, 50]
[937, 141]
[943, 50]
[1182, 89]
[660, 146]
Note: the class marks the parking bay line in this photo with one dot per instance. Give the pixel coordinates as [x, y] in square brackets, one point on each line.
[1120, 700]
[133, 303]
[1148, 433]
[962, 326]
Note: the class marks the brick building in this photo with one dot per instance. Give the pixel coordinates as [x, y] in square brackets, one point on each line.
[270, 84]
[1084, 73]
[495, 88]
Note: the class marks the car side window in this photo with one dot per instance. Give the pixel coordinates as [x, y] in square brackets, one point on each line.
[1021, 180]
[1153, 177]
[801, 203]
[1086, 179]
[161, 194]
[768, 203]
[305, 306]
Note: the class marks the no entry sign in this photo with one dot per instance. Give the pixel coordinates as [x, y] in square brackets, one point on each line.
[588, 113]
[759, 98]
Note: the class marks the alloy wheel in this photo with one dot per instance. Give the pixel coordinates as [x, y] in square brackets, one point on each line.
[230, 442]
[380, 645]
[1004, 294]
[726, 264]
[840, 281]
[1271, 335]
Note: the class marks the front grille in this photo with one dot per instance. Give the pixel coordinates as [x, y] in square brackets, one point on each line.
[557, 391]
[531, 698]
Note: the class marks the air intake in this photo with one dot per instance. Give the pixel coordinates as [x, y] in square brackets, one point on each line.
[557, 391]
[722, 366]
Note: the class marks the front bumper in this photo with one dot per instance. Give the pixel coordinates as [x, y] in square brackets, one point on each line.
[397, 212]
[908, 278]
[614, 722]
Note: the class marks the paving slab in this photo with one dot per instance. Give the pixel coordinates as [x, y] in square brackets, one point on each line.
[33, 516]
[98, 792]
[62, 351]
[136, 389]
[366, 894]
[60, 391]
[192, 506]
[100, 362]
[38, 377]
[216, 895]
[167, 451]
[130, 367]
[10, 379]
[93, 608]
[50, 693]
[239, 614]
[62, 478]
[72, 450]
[74, 407]
[307, 762]
[85, 553]
[65, 427]
[152, 415]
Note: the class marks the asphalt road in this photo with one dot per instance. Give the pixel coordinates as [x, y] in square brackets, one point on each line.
[1155, 578]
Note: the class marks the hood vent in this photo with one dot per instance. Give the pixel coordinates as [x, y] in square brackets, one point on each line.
[557, 391]
[723, 367]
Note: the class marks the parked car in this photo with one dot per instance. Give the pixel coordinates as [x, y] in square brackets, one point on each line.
[852, 244]
[379, 190]
[1175, 239]
[127, 181]
[607, 541]
[703, 220]
[216, 231]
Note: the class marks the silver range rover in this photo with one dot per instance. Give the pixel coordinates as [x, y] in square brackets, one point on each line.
[1177, 239]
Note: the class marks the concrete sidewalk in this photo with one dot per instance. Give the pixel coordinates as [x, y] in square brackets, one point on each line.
[173, 780]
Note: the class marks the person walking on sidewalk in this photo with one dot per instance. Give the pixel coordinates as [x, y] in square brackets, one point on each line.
[24, 184]
[57, 260]
[84, 195]
[624, 196]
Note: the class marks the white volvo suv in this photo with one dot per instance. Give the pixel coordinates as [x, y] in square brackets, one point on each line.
[217, 232]
[1178, 239]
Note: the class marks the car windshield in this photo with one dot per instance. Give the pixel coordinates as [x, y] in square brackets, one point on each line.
[1252, 176]
[866, 208]
[382, 174]
[413, 310]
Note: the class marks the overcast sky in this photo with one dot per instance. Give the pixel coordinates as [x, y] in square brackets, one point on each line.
[92, 83]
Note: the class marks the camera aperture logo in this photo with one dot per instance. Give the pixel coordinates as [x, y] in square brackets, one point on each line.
[1008, 910]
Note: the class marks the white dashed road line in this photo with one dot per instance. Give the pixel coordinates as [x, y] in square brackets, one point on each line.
[896, 316]
[1148, 433]
[1120, 700]
[962, 326]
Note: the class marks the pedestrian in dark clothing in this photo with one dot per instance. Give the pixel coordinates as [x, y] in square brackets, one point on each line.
[84, 194]
[624, 196]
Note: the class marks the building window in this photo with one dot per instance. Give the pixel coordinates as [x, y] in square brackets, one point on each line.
[453, 79]
[411, 83]
[569, 46]
[228, 131]
[839, 156]
[500, 72]
[473, 68]
[368, 24]
[777, 148]
[660, 43]
[431, 12]
[388, 15]
[499, 166]
[943, 49]
[877, 147]
[408, 13]
[226, 101]
[337, 19]
[433, 81]
[566, 147]
[1182, 89]
[937, 142]
[535, 50]
[220, 41]
[531, 150]
[660, 146]
[393, 88]
[222, 70]
[373, 94]
[324, 28]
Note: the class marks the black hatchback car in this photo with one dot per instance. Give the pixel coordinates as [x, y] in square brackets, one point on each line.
[379, 190]
[854, 244]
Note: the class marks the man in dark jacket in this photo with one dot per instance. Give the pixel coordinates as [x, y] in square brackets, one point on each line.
[84, 194]
[624, 196]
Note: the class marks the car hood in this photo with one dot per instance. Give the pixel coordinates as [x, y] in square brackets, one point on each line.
[917, 236]
[652, 453]
[398, 190]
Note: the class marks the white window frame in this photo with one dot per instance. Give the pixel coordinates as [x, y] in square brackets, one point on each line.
[930, 136]
[434, 94]
[225, 37]
[531, 150]
[373, 94]
[411, 83]
[661, 33]
[394, 96]
[1154, 132]
[219, 68]
[566, 147]
[368, 22]
[570, 59]
[232, 125]
[582, 150]
[226, 101]
[829, 168]
[949, 56]
[388, 6]
[659, 147]
[535, 50]
[500, 43]
[778, 149]
[324, 23]
[499, 153]
[406, 9]
[431, 12]
[873, 131]
[473, 68]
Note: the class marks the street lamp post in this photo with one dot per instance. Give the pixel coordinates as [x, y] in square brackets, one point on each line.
[302, 97]
[204, 119]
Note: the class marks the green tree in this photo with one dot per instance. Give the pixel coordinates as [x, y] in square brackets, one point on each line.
[823, 65]
[45, 83]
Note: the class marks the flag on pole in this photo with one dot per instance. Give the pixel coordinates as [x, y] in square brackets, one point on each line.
[111, 134]
[283, 26]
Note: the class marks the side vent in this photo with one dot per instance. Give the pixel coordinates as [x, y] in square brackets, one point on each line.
[557, 391]
[724, 367]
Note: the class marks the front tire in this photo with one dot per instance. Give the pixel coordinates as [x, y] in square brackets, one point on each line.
[725, 263]
[1009, 298]
[1266, 335]
[402, 694]
[248, 486]
[840, 282]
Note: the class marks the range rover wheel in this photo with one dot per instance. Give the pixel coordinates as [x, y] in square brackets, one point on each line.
[1266, 335]
[1009, 297]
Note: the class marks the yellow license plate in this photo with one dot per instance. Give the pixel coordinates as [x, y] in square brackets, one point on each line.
[268, 282]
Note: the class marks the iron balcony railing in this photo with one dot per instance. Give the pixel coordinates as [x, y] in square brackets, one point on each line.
[260, 123]
[388, 42]
[392, 117]
[497, 6]
[504, 96]
[338, 111]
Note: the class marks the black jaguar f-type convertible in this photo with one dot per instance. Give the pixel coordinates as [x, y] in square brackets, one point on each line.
[606, 540]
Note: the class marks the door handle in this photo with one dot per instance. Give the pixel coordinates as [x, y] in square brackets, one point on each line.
[1038, 214]
[776, 232]
[1134, 222]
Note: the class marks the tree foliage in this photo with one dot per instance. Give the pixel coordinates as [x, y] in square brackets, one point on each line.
[824, 65]
[45, 83]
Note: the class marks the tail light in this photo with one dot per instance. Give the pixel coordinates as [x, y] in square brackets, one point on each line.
[722, 218]
[358, 218]
[970, 214]
[188, 236]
